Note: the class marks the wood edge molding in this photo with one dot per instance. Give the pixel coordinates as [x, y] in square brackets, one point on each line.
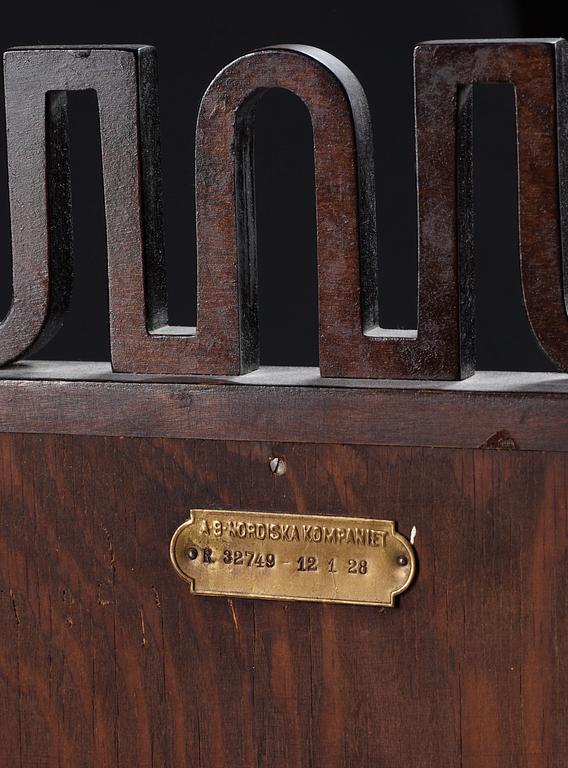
[281, 411]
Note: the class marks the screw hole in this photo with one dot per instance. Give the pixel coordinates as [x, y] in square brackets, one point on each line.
[277, 465]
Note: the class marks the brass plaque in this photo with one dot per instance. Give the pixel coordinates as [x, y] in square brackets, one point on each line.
[293, 557]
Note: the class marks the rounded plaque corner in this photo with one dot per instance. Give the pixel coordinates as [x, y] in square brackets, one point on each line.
[173, 551]
[410, 566]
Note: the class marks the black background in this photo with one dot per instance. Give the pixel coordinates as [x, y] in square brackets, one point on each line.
[375, 40]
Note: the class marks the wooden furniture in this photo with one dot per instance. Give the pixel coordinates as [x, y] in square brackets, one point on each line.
[106, 658]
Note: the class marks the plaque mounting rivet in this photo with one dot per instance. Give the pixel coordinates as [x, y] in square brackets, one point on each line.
[402, 560]
[277, 465]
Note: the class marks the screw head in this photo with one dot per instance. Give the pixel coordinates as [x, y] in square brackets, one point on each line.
[277, 465]
[402, 560]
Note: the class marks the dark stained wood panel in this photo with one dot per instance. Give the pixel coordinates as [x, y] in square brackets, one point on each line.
[524, 411]
[352, 342]
[107, 660]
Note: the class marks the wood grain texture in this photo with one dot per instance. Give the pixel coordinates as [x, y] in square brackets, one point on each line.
[444, 74]
[125, 81]
[518, 410]
[106, 659]
[225, 341]
[40, 212]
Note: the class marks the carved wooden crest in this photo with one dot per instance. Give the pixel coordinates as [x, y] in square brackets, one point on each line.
[352, 342]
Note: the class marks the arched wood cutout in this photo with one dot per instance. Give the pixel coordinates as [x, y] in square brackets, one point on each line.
[36, 82]
[444, 73]
[351, 340]
[443, 346]
[226, 341]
